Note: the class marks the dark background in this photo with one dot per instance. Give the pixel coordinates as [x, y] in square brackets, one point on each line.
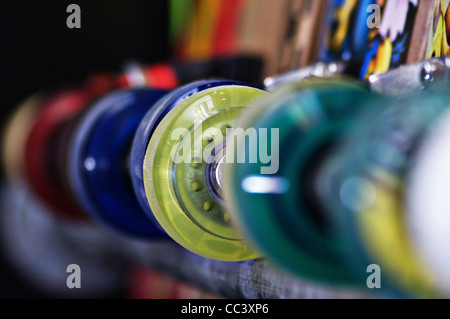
[38, 52]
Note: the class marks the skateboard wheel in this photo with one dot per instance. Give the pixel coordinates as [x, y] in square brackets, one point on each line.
[14, 139]
[279, 209]
[148, 126]
[182, 172]
[42, 166]
[426, 201]
[99, 165]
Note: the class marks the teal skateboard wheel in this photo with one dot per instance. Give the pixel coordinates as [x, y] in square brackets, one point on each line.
[278, 206]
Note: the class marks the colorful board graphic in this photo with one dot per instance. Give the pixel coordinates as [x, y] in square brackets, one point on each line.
[388, 45]
[303, 48]
[438, 39]
[377, 49]
[347, 30]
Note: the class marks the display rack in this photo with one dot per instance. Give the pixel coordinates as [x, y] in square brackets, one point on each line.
[41, 246]
[256, 279]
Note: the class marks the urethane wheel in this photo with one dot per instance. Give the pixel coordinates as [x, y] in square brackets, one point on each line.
[426, 201]
[390, 193]
[275, 199]
[99, 162]
[14, 138]
[182, 172]
[148, 126]
[42, 167]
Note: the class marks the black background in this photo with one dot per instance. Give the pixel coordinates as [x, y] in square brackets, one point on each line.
[38, 52]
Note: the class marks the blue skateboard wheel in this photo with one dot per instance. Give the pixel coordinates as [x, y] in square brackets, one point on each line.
[99, 161]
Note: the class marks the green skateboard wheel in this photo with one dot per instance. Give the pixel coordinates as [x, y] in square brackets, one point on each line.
[280, 211]
[183, 172]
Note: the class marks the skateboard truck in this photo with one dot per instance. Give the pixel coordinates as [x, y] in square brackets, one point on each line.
[318, 70]
[410, 78]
